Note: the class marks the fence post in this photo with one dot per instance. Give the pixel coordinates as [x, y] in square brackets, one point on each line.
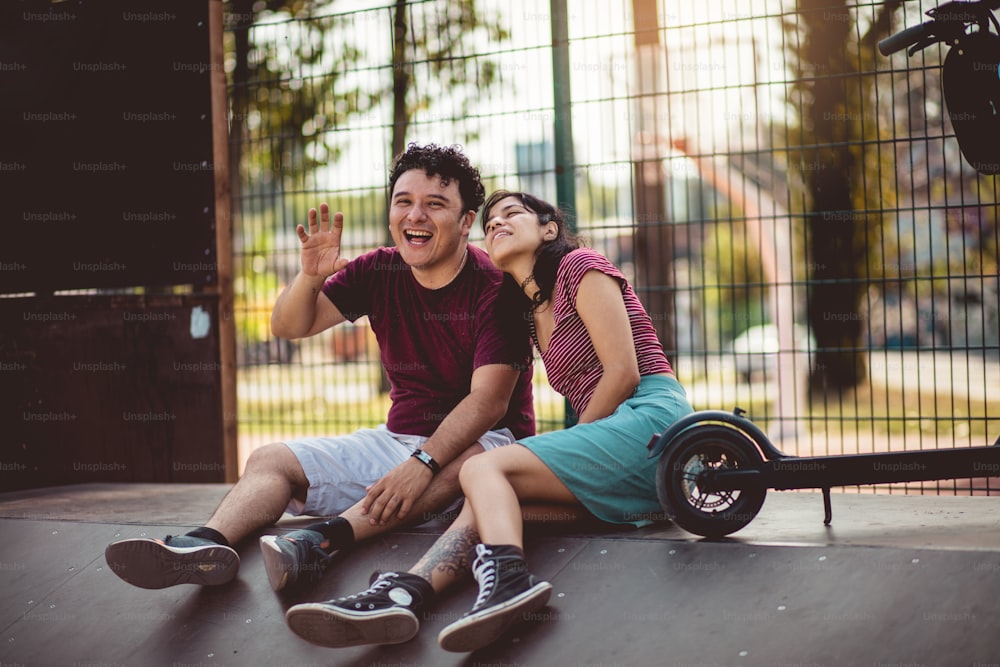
[563, 119]
[563, 130]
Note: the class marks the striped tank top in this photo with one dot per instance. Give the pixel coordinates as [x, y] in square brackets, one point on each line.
[571, 362]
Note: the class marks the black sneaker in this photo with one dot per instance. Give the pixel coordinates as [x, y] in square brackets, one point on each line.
[507, 594]
[293, 558]
[181, 559]
[383, 614]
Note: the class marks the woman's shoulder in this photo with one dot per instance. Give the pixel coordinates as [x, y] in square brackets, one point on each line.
[577, 262]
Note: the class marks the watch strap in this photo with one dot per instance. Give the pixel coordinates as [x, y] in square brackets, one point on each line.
[427, 460]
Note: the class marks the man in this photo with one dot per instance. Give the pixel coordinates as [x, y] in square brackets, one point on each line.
[457, 355]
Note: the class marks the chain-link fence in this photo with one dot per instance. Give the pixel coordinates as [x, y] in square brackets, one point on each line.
[791, 206]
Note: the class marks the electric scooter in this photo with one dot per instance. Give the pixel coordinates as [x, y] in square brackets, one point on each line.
[715, 467]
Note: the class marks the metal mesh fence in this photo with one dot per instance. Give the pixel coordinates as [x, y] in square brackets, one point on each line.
[791, 206]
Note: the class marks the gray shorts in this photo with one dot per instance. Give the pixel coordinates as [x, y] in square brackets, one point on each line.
[339, 468]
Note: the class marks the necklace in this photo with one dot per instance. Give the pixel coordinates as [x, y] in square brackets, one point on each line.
[535, 299]
[460, 267]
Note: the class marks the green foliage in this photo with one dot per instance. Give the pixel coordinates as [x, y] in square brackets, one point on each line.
[255, 293]
[735, 290]
[255, 287]
[435, 58]
[837, 171]
[300, 78]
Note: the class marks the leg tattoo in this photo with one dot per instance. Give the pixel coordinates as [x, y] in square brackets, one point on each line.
[449, 556]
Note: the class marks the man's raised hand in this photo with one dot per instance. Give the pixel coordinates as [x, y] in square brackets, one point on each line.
[321, 245]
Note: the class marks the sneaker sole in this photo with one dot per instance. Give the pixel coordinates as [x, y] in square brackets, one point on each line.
[485, 627]
[149, 564]
[277, 563]
[334, 627]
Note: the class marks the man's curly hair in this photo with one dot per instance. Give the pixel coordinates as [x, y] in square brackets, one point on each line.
[447, 162]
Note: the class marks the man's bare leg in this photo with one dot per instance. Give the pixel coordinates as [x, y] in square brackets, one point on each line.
[302, 555]
[447, 561]
[273, 476]
[205, 555]
[449, 554]
[444, 489]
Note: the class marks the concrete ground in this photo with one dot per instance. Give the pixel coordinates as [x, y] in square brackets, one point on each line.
[895, 580]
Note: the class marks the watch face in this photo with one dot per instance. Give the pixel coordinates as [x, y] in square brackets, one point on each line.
[427, 460]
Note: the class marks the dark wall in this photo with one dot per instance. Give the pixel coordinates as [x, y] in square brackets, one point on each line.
[109, 389]
[107, 182]
[106, 155]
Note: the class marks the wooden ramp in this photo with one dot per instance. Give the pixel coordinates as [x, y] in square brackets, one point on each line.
[896, 580]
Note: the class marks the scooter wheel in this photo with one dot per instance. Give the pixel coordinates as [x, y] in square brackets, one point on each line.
[699, 450]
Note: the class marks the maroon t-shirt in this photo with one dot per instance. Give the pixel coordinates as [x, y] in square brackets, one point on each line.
[431, 340]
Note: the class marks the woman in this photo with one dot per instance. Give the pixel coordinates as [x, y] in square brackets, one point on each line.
[600, 351]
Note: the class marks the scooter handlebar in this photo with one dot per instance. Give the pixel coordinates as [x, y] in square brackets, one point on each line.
[905, 38]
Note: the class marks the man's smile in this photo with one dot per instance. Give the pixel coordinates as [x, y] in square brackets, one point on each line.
[417, 236]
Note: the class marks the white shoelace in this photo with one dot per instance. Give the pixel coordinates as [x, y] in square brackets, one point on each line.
[375, 588]
[485, 572]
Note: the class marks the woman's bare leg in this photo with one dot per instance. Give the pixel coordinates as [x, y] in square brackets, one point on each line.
[497, 482]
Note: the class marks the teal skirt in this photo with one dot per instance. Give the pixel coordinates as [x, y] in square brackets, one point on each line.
[605, 463]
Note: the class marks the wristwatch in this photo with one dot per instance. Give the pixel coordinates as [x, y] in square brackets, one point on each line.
[427, 460]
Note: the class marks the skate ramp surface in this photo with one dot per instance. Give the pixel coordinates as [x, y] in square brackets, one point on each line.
[896, 580]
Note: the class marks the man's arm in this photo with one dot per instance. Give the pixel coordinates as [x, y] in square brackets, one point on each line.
[486, 403]
[302, 310]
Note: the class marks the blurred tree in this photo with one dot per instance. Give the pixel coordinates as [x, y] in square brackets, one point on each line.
[835, 154]
[294, 84]
[299, 89]
[735, 286]
[654, 242]
[437, 37]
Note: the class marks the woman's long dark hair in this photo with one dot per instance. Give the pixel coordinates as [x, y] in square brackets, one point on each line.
[551, 252]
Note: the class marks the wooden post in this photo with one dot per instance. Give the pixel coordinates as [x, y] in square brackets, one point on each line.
[223, 240]
[654, 243]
